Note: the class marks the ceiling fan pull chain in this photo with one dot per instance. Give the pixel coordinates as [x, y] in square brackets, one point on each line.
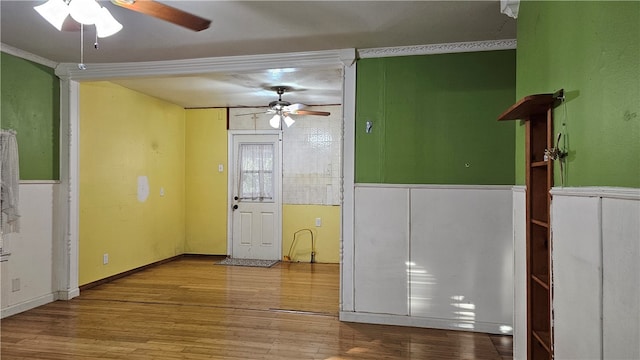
[95, 44]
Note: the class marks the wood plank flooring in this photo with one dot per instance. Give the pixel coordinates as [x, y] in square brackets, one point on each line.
[193, 309]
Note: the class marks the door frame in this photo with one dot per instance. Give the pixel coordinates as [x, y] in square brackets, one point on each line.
[65, 250]
[231, 168]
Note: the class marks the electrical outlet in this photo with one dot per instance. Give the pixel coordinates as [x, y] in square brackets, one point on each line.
[105, 259]
[15, 284]
[318, 222]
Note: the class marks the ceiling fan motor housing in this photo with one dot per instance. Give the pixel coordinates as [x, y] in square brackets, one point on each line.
[278, 104]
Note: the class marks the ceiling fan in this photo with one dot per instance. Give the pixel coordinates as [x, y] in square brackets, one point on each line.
[282, 109]
[68, 15]
[166, 13]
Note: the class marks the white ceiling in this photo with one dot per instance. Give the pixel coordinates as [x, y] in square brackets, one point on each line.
[252, 28]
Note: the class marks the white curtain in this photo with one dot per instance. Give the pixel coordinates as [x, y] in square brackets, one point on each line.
[256, 172]
[10, 178]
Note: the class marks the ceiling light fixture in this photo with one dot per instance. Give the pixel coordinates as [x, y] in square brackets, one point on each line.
[288, 120]
[86, 12]
[275, 121]
[54, 11]
[278, 118]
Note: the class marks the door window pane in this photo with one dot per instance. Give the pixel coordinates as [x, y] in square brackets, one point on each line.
[256, 172]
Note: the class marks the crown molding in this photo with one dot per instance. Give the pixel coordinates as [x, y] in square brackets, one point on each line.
[459, 47]
[242, 63]
[27, 56]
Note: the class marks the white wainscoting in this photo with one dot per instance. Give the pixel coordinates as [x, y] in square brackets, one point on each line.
[381, 250]
[31, 259]
[519, 273]
[434, 256]
[596, 273]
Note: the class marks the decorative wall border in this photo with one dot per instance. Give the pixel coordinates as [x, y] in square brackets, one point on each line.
[27, 55]
[447, 48]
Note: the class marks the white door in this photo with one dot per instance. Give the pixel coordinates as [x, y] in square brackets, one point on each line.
[256, 202]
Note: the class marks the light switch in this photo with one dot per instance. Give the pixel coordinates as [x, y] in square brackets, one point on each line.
[220, 168]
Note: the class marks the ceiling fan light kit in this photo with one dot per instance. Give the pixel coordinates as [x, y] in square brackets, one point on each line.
[89, 12]
[106, 24]
[54, 11]
[278, 118]
[85, 12]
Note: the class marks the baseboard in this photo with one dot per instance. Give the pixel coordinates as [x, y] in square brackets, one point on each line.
[433, 323]
[27, 305]
[205, 256]
[128, 272]
[144, 267]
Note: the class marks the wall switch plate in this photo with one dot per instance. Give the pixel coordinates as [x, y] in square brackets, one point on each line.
[220, 168]
[105, 259]
[318, 222]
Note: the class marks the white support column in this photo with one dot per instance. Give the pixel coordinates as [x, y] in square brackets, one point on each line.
[348, 179]
[65, 241]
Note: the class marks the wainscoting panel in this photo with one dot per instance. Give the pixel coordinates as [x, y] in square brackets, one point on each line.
[621, 278]
[381, 250]
[27, 272]
[462, 256]
[596, 273]
[519, 273]
[436, 256]
[576, 277]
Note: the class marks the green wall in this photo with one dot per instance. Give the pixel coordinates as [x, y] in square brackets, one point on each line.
[435, 119]
[30, 104]
[592, 50]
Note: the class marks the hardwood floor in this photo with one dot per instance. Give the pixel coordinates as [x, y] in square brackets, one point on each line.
[193, 309]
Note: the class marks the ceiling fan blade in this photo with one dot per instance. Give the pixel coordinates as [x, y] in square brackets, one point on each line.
[311, 112]
[296, 107]
[165, 12]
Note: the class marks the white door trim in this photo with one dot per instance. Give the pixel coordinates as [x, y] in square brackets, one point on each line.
[231, 170]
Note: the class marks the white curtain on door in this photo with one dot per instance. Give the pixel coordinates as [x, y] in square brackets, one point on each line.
[256, 172]
[9, 186]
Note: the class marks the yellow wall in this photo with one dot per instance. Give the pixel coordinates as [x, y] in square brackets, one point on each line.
[206, 187]
[124, 135]
[327, 236]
